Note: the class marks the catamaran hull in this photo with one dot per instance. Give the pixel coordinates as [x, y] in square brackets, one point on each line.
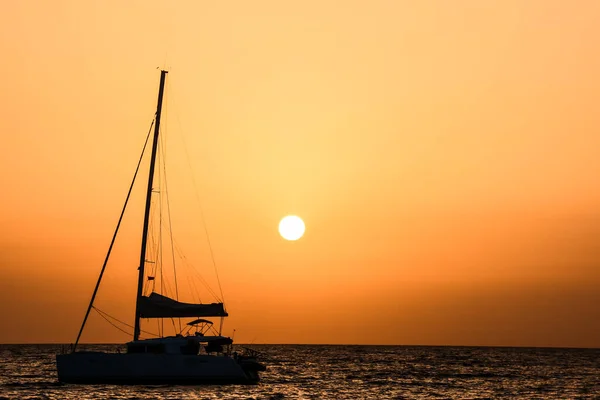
[145, 368]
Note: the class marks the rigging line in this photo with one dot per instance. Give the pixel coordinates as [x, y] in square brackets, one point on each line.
[193, 290]
[153, 245]
[113, 324]
[164, 164]
[212, 256]
[147, 282]
[159, 253]
[191, 286]
[151, 250]
[195, 270]
[99, 311]
[161, 327]
[112, 242]
[151, 255]
[169, 219]
[167, 285]
[200, 277]
[173, 322]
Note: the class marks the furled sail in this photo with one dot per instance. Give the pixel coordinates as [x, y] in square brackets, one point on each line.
[159, 306]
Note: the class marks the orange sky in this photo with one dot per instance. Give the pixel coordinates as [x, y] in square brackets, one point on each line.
[444, 156]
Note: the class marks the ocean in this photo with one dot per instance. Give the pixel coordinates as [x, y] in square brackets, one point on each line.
[342, 372]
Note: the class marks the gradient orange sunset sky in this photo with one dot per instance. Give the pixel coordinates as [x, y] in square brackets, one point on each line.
[444, 156]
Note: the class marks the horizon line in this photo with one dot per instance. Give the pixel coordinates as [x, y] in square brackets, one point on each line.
[335, 344]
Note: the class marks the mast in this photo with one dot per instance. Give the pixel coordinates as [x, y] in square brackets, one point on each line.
[136, 331]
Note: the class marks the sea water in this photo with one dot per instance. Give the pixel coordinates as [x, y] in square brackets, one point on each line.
[342, 372]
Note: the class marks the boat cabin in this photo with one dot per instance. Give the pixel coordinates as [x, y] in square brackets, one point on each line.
[187, 345]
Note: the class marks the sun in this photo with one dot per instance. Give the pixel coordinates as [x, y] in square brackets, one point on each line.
[291, 227]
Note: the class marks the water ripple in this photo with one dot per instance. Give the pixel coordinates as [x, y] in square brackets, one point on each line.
[342, 372]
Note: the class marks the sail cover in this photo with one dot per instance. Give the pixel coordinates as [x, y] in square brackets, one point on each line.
[159, 306]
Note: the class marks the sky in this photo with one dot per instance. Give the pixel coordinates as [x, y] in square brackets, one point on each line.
[443, 156]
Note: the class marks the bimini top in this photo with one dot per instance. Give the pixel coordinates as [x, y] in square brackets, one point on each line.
[199, 321]
[159, 306]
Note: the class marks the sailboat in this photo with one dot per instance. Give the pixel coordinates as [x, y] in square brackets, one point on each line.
[192, 356]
